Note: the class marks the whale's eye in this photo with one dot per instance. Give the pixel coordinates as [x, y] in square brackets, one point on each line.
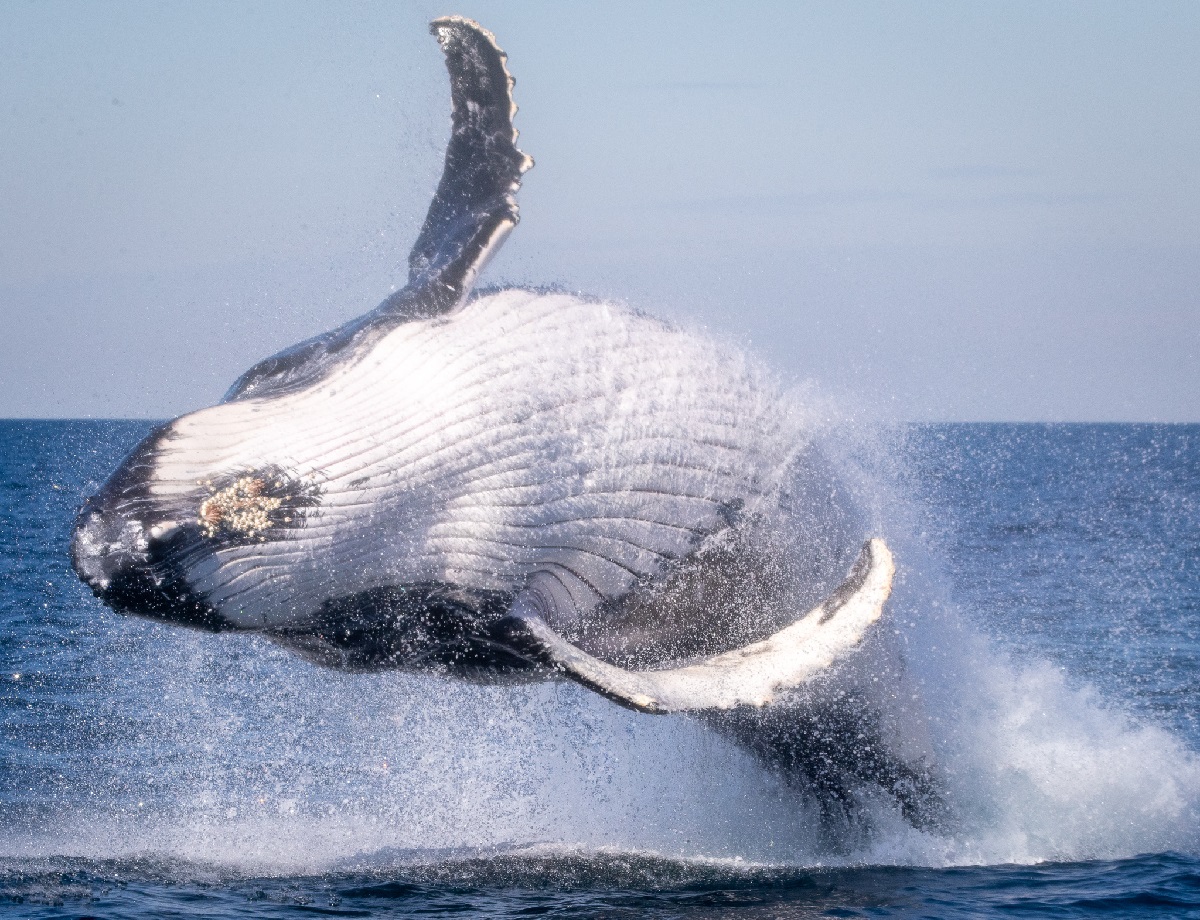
[245, 507]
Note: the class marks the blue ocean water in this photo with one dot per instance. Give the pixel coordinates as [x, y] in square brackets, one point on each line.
[1048, 608]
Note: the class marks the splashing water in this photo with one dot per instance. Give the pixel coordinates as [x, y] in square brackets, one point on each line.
[123, 738]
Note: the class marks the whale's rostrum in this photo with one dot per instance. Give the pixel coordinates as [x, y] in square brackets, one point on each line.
[504, 486]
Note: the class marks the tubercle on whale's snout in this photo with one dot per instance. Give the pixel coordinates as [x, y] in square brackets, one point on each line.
[250, 505]
[110, 533]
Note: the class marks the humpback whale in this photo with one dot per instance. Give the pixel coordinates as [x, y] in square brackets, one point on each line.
[508, 485]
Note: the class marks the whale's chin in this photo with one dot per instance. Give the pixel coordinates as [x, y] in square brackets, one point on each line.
[131, 572]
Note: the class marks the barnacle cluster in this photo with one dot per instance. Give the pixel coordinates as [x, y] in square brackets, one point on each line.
[243, 508]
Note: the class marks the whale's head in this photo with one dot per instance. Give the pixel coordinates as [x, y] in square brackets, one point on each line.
[125, 544]
[290, 496]
[238, 516]
[178, 508]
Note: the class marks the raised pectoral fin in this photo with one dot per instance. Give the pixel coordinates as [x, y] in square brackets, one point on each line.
[748, 676]
[472, 212]
[475, 205]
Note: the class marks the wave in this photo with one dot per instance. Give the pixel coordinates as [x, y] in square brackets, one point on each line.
[519, 882]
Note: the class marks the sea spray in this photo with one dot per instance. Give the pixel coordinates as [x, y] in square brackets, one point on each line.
[227, 752]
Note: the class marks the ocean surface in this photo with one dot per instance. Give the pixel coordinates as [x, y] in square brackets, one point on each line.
[1047, 608]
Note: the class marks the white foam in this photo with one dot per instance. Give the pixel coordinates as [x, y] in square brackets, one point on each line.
[275, 766]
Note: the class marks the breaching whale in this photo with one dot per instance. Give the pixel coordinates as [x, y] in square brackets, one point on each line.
[505, 485]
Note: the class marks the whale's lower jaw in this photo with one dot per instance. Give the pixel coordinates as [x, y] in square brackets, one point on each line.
[137, 593]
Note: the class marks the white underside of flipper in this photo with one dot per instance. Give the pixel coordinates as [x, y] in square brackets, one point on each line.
[748, 676]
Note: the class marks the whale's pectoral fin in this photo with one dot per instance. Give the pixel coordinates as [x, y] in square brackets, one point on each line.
[473, 210]
[748, 676]
[475, 206]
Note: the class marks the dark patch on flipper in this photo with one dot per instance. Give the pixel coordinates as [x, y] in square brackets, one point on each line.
[854, 581]
[472, 212]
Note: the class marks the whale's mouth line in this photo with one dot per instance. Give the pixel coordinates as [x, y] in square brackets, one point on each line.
[435, 628]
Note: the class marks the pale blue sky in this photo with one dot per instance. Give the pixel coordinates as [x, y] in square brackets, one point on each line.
[942, 210]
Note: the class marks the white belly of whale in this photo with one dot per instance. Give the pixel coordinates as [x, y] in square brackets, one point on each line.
[524, 432]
